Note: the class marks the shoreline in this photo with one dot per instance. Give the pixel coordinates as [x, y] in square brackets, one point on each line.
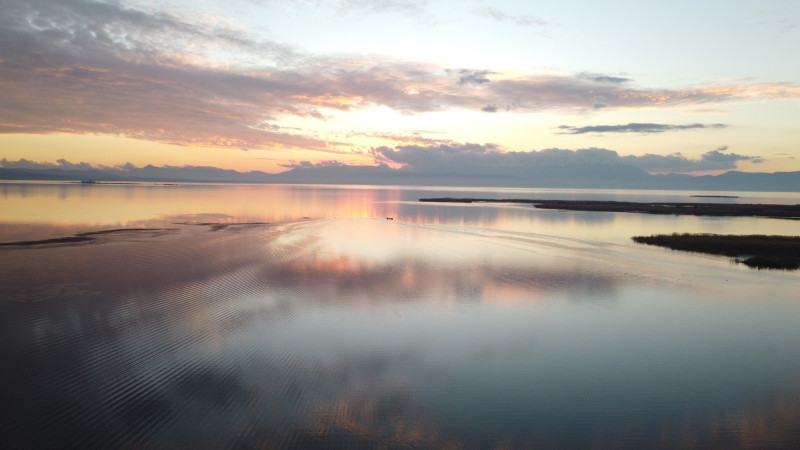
[791, 212]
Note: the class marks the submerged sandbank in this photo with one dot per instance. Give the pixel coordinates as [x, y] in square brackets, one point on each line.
[85, 236]
[89, 236]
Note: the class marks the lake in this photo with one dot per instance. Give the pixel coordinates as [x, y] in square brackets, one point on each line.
[291, 316]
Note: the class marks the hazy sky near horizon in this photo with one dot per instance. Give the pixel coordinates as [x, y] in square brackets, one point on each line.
[268, 84]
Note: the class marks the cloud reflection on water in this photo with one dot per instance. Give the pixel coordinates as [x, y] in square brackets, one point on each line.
[373, 332]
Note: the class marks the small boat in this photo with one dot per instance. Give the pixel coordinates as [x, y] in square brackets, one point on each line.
[88, 182]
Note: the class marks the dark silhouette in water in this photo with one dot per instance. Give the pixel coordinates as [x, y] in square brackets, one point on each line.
[756, 251]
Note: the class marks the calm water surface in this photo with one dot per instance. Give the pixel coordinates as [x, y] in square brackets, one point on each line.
[310, 320]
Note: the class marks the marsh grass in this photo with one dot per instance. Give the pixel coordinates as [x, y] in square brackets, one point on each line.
[756, 250]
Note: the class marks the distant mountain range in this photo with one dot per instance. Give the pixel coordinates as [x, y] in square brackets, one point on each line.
[600, 176]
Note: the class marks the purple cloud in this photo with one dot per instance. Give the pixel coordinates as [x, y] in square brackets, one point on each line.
[474, 159]
[80, 66]
[642, 128]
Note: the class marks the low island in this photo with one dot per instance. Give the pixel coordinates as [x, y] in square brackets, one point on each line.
[756, 251]
[694, 209]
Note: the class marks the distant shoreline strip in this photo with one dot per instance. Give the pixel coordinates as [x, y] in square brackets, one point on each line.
[693, 209]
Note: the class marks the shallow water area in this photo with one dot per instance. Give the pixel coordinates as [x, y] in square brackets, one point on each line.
[461, 326]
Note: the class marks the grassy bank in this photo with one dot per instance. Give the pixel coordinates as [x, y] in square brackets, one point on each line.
[757, 251]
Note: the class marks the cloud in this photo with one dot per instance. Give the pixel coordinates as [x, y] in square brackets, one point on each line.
[644, 128]
[478, 160]
[520, 20]
[415, 137]
[712, 160]
[470, 160]
[85, 67]
[565, 92]
[716, 111]
[472, 76]
[309, 165]
[716, 156]
[485, 160]
[604, 78]
[409, 7]
[62, 164]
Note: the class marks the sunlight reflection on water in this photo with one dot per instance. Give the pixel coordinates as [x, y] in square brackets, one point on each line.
[32, 210]
[367, 332]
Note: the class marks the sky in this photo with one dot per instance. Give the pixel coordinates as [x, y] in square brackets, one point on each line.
[684, 86]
